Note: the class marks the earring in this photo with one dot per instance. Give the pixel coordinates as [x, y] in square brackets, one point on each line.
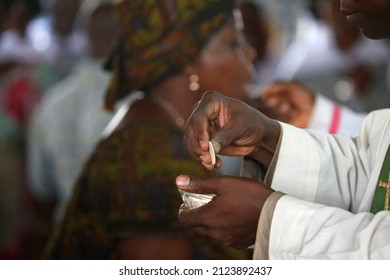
[194, 83]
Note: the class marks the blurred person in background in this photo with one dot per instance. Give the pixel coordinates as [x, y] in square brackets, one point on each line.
[294, 103]
[16, 16]
[58, 35]
[259, 34]
[70, 120]
[13, 229]
[284, 17]
[20, 91]
[124, 202]
[336, 60]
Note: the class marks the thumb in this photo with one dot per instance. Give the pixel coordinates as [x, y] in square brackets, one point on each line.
[195, 185]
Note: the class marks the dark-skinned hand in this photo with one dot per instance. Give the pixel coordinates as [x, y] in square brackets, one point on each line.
[234, 128]
[231, 217]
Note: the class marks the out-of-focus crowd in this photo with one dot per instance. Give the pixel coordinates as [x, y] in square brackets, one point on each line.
[41, 44]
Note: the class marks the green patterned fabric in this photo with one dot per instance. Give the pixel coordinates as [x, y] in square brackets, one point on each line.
[134, 195]
[158, 38]
[380, 200]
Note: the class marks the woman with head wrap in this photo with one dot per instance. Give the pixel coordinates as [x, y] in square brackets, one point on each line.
[124, 204]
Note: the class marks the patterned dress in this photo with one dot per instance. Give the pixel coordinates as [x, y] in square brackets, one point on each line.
[127, 189]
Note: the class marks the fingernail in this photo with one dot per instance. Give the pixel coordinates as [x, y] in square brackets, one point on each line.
[182, 180]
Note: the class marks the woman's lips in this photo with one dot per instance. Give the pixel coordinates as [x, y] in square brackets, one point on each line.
[348, 13]
[348, 8]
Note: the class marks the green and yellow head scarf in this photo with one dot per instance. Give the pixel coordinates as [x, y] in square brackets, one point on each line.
[158, 38]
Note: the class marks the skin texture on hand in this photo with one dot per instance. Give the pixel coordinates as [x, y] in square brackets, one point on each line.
[234, 128]
[231, 217]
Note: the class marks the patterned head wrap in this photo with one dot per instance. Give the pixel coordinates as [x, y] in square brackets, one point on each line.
[158, 38]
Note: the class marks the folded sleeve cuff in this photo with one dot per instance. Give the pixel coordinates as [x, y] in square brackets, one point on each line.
[261, 247]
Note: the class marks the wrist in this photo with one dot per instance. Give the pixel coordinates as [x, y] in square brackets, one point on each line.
[265, 151]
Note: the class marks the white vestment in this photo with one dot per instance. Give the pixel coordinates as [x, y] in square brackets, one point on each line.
[329, 182]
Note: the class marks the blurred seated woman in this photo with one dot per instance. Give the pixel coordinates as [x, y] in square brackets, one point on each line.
[125, 201]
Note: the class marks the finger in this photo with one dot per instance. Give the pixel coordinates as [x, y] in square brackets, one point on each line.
[197, 184]
[285, 107]
[208, 166]
[198, 126]
[192, 144]
[270, 111]
[230, 131]
[268, 90]
[182, 207]
[201, 231]
[271, 101]
[218, 163]
[272, 90]
[207, 111]
[189, 218]
[209, 159]
[234, 150]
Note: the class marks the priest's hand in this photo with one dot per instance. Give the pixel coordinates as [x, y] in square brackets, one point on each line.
[231, 217]
[233, 127]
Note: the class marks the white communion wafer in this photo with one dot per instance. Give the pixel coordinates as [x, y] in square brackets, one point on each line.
[212, 152]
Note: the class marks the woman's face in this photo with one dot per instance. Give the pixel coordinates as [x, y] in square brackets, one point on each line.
[371, 16]
[225, 63]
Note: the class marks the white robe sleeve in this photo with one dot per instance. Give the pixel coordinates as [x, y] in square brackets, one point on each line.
[319, 167]
[325, 212]
[304, 230]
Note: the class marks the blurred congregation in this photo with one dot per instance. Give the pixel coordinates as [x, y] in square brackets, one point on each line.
[53, 84]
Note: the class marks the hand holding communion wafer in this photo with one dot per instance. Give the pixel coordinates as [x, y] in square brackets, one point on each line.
[238, 200]
[233, 128]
